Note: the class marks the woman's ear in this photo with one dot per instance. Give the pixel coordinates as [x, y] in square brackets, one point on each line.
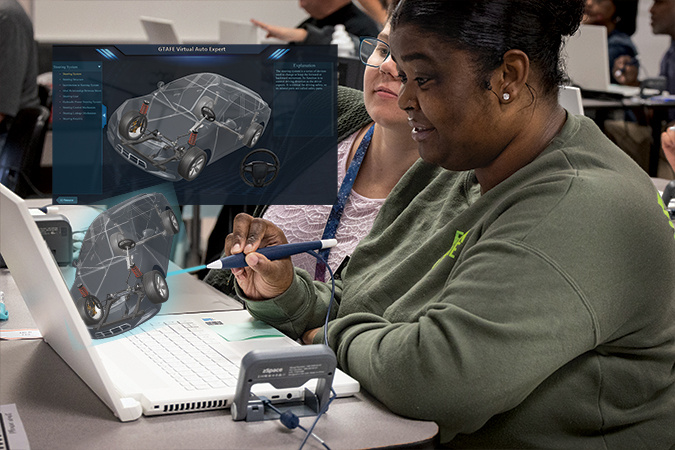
[510, 78]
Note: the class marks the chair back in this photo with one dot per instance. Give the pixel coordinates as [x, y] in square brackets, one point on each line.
[569, 98]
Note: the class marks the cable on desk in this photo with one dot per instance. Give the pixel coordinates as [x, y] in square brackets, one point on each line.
[291, 421]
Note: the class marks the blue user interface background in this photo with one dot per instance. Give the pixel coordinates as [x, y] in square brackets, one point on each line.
[301, 132]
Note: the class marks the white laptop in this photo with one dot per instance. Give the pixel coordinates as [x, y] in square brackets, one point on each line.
[239, 32]
[587, 62]
[159, 31]
[120, 372]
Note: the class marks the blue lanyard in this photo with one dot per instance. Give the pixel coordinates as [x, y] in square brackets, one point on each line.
[339, 205]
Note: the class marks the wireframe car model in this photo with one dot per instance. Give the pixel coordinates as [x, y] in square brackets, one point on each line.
[121, 271]
[175, 131]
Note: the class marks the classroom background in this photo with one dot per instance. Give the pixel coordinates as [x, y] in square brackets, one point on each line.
[117, 21]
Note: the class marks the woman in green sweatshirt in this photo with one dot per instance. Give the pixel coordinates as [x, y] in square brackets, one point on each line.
[518, 285]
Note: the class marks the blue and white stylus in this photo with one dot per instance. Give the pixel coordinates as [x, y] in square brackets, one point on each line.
[273, 252]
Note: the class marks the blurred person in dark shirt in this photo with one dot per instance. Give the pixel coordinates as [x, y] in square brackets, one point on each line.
[18, 65]
[318, 28]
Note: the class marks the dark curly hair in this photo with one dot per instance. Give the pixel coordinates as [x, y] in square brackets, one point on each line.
[489, 28]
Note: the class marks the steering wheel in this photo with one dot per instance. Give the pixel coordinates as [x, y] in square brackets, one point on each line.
[259, 172]
[208, 113]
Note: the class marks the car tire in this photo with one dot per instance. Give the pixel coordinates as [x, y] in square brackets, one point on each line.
[170, 222]
[132, 125]
[90, 309]
[192, 163]
[252, 135]
[155, 287]
[118, 241]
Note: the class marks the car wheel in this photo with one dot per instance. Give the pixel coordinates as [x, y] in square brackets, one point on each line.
[120, 244]
[155, 287]
[170, 222]
[192, 163]
[90, 309]
[253, 134]
[132, 125]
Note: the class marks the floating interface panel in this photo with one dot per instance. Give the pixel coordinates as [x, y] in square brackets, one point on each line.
[226, 124]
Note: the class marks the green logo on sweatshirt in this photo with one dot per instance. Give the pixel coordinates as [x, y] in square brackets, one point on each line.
[459, 240]
[665, 211]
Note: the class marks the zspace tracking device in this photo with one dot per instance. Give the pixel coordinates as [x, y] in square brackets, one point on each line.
[284, 368]
[56, 231]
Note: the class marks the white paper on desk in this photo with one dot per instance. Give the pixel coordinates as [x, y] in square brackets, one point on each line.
[25, 333]
[242, 331]
[13, 433]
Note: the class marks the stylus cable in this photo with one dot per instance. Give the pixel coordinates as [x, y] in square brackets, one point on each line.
[291, 421]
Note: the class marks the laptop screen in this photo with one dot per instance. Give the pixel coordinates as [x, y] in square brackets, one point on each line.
[226, 124]
[587, 58]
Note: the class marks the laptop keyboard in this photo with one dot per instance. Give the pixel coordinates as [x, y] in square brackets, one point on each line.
[187, 353]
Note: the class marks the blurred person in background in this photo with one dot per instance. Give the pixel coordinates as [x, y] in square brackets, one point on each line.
[619, 17]
[663, 22]
[18, 65]
[318, 28]
[377, 9]
[636, 139]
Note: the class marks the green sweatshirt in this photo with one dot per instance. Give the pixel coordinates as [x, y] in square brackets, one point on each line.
[540, 314]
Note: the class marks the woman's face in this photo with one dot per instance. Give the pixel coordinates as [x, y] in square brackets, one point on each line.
[599, 12]
[455, 119]
[380, 90]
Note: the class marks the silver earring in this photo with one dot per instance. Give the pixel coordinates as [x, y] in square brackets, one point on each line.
[506, 96]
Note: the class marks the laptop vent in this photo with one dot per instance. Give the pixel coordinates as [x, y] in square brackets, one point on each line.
[194, 406]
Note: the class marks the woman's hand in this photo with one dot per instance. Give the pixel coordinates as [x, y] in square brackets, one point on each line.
[262, 279]
[282, 33]
[308, 336]
[668, 145]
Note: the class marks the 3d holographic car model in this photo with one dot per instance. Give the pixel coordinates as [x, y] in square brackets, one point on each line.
[121, 271]
[175, 131]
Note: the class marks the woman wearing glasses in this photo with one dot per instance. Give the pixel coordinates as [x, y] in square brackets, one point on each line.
[374, 154]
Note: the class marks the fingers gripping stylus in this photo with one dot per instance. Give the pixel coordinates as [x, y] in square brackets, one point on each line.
[273, 252]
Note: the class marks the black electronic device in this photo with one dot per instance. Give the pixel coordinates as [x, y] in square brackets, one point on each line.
[350, 72]
[57, 232]
[653, 86]
[285, 368]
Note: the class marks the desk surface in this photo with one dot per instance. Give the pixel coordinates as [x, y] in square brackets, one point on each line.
[628, 102]
[59, 411]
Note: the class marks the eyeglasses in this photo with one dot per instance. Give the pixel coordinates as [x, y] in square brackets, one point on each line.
[373, 52]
